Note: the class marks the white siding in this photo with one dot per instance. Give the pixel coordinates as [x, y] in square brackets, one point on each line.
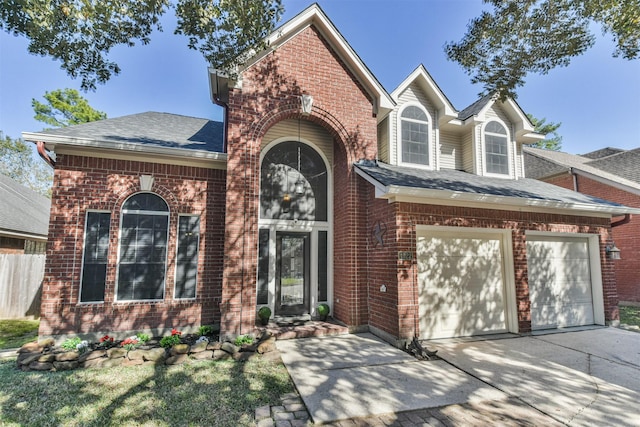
[450, 151]
[468, 145]
[383, 140]
[308, 131]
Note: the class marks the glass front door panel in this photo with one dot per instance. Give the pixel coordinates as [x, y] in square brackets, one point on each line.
[292, 273]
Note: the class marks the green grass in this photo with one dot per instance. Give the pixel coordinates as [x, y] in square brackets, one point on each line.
[630, 315]
[220, 393]
[15, 333]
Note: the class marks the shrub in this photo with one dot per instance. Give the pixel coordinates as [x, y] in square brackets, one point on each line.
[143, 338]
[170, 340]
[243, 339]
[71, 343]
[205, 330]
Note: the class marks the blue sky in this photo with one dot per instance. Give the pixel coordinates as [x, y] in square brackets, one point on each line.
[596, 98]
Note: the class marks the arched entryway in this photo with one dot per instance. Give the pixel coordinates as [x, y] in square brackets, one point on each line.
[295, 234]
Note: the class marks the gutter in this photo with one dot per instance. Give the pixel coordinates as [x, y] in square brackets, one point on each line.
[623, 221]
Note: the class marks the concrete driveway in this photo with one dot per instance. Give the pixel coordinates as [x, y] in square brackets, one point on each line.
[574, 378]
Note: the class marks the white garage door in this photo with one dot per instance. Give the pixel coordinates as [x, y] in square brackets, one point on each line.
[559, 281]
[461, 284]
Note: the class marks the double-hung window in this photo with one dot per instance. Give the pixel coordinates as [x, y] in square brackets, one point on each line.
[143, 248]
[496, 147]
[414, 136]
[95, 256]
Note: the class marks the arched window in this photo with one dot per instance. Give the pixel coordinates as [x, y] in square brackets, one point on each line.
[293, 183]
[143, 248]
[496, 149]
[414, 136]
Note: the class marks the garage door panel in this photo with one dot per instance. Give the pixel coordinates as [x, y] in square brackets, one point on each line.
[559, 281]
[461, 286]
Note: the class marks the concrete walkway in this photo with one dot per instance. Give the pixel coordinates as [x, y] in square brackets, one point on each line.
[575, 378]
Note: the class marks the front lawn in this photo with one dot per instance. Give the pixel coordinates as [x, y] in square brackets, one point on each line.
[207, 393]
[630, 315]
[15, 333]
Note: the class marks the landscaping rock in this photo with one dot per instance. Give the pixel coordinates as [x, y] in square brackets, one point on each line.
[202, 355]
[94, 363]
[243, 356]
[178, 359]
[67, 356]
[65, 366]
[250, 348]
[30, 347]
[47, 342]
[136, 355]
[96, 354]
[198, 347]
[154, 354]
[116, 353]
[110, 363]
[47, 358]
[132, 362]
[180, 349]
[27, 358]
[214, 346]
[220, 355]
[41, 366]
[267, 346]
[230, 347]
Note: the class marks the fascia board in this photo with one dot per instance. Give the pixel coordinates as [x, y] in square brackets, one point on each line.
[421, 75]
[421, 195]
[620, 183]
[57, 140]
[380, 189]
[23, 235]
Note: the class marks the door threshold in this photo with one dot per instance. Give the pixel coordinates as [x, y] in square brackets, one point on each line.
[291, 320]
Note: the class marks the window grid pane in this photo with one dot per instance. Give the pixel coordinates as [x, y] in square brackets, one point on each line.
[187, 257]
[415, 142]
[94, 271]
[497, 154]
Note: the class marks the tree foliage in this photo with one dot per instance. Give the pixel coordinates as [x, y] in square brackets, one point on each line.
[519, 37]
[65, 107]
[81, 33]
[541, 126]
[18, 163]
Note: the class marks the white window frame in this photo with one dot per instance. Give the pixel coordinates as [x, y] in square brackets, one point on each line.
[122, 212]
[430, 138]
[510, 166]
[84, 244]
[175, 276]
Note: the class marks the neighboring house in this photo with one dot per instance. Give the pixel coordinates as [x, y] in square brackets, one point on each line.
[24, 218]
[407, 216]
[610, 174]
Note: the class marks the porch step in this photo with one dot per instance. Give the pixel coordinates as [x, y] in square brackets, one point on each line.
[307, 329]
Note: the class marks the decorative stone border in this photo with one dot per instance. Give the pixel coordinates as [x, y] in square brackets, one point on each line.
[44, 355]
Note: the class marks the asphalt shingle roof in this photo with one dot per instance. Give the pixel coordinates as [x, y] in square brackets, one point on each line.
[603, 152]
[625, 164]
[151, 128]
[22, 210]
[475, 108]
[463, 182]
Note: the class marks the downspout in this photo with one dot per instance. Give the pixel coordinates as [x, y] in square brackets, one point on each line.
[225, 128]
[575, 180]
[42, 151]
[623, 221]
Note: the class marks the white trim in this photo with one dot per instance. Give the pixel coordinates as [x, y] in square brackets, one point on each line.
[175, 274]
[21, 235]
[593, 243]
[84, 244]
[483, 148]
[615, 184]
[158, 213]
[421, 75]
[508, 270]
[430, 136]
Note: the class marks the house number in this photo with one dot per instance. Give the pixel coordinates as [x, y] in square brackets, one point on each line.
[405, 255]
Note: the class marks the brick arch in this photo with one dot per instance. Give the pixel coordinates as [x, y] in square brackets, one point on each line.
[118, 199]
[320, 116]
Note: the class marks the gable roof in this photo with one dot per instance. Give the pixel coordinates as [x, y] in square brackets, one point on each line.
[621, 170]
[452, 187]
[603, 152]
[429, 86]
[315, 16]
[150, 132]
[23, 212]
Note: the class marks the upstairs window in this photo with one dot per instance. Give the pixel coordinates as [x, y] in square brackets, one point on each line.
[414, 136]
[143, 248]
[496, 149]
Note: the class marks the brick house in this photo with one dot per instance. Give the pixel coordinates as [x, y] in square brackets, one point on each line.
[611, 174]
[405, 215]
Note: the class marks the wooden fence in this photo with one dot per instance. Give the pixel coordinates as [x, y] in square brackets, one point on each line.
[20, 285]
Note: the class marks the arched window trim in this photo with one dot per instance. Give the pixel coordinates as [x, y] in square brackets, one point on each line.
[123, 212]
[430, 137]
[510, 165]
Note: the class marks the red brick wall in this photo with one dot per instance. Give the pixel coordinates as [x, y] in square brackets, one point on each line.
[626, 237]
[84, 183]
[270, 93]
[396, 311]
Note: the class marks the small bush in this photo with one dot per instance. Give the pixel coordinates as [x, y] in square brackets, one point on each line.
[71, 344]
[170, 341]
[243, 339]
[205, 330]
[143, 338]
